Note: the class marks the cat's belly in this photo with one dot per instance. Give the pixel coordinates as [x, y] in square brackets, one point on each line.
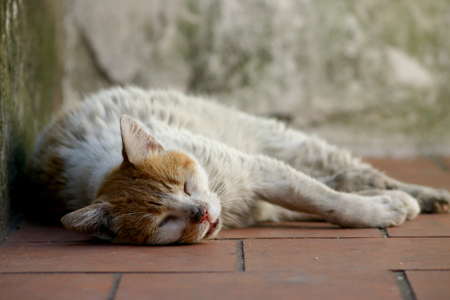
[248, 213]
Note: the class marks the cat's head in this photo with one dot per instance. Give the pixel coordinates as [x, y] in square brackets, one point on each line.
[155, 196]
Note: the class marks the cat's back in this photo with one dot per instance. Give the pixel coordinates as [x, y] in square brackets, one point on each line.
[103, 110]
[98, 117]
[92, 127]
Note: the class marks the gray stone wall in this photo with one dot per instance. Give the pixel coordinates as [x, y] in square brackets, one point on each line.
[371, 76]
[30, 89]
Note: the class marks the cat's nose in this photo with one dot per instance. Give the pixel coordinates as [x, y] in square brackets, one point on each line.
[199, 213]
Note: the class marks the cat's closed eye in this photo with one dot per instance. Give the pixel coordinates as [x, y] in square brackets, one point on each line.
[167, 219]
[186, 189]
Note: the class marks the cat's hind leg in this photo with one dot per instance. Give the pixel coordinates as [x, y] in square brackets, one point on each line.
[308, 153]
[431, 200]
[341, 171]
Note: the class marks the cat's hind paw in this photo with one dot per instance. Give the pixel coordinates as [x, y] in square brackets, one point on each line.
[434, 201]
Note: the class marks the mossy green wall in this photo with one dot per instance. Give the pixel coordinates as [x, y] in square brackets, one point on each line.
[30, 72]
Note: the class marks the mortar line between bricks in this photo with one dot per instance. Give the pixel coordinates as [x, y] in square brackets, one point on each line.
[171, 272]
[300, 238]
[420, 237]
[337, 238]
[109, 272]
[115, 287]
[240, 258]
[420, 270]
[384, 232]
[404, 286]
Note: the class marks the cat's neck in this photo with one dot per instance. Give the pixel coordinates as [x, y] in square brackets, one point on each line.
[102, 168]
[88, 168]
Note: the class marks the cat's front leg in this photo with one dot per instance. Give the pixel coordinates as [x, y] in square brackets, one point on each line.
[282, 185]
[359, 179]
[354, 211]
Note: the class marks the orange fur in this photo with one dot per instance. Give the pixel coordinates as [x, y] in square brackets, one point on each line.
[136, 208]
[132, 199]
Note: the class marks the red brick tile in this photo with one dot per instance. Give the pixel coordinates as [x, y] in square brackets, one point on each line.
[31, 232]
[294, 285]
[90, 257]
[424, 225]
[446, 160]
[415, 170]
[297, 230]
[55, 286]
[441, 181]
[348, 254]
[430, 285]
[407, 165]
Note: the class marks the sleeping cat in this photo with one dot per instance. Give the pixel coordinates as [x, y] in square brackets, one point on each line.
[157, 167]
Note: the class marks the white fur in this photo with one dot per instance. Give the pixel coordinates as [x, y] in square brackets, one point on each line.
[243, 159]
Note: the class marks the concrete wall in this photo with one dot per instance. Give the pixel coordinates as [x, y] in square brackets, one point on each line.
[30, 89]
[368, 75]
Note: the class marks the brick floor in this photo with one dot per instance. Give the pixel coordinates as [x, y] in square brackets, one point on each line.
[429, 285]
[354, 254]
[261, 285]
[423, 226]
[298, 230]
[56, 286]
[305, 260]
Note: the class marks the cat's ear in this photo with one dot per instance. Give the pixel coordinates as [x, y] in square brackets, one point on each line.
[136, 142]
[94, 220]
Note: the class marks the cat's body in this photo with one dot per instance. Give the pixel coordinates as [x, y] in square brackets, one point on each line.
[189, 166]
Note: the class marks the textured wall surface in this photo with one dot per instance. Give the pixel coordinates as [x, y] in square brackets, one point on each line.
[30, 72]
[372, 76]
[369, 75]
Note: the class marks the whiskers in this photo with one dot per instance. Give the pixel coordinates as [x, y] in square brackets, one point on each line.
[232, 201]
[236, 193]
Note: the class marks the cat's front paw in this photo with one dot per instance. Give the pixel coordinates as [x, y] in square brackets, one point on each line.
[411, 205]
[376, 211]
[386, 211]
